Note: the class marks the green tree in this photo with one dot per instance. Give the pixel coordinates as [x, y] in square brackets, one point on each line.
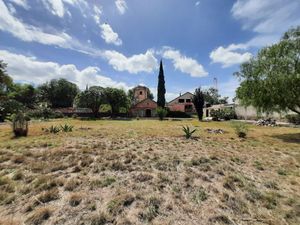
[23, 93]
[91, 98]
[5, 81]
[8, 107]
[161, 90]
[58, 93]
[212, 97]
[116, 98]
[271, 80]
[198, 100]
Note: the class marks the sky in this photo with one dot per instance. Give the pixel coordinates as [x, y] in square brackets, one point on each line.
[119, 43]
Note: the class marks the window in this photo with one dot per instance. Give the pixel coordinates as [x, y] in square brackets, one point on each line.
[141, 93]
[181, 100]
[188, 100]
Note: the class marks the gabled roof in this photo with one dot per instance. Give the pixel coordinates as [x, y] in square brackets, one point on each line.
[147, 99]
[180, 96]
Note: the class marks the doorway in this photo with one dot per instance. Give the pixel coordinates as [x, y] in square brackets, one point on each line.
[148, 112]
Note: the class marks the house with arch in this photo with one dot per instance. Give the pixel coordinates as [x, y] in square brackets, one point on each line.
[143, 105]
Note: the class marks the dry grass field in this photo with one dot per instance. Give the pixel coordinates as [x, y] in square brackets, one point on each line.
[146, 172]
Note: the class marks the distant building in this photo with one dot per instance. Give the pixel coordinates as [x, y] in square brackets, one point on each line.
[142, 106]
[183, 103]
[208, 108]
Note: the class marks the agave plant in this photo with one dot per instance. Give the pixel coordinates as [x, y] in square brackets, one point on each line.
[66, 128]
[188, 132]
[52, 129]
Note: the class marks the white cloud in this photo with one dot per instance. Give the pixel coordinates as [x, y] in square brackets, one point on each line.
[269, 19]
[56, 7]
[197, 3]
[11, 9]
[97, 14]
[183, 63]
[30, 69]
[229, 56]
[21, 3]
[121, 6]
[29, 33]
[109, 35]
[134, 64]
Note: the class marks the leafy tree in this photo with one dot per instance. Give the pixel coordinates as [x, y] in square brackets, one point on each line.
[23, 93]
[5, 81]
[8, 107]
[212, 97]
[271, 80]
[58, 93]
[91, 98]
[116, 98]
[198, 100]
[161, 90]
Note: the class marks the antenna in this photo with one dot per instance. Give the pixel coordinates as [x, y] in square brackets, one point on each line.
[216, 83]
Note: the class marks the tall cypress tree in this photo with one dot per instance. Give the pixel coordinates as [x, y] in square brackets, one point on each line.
[161, 90]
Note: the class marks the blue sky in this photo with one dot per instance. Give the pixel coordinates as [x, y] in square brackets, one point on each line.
[119, 43]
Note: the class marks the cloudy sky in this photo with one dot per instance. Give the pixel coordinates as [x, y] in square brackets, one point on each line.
[119, 42]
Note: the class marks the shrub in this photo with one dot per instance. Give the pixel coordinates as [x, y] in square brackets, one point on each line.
[161, 112]
[45, 113]
[241, 129]
[294, 118]
[178, 114]
[223, 114]
[188, 132]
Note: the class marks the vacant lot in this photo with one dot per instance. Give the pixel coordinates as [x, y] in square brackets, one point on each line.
[146, 172]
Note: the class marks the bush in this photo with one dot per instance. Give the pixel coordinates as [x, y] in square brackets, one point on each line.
[223, 114]
[294, 118]
[241, 129]
[45, 113]
[178, 114]
[161, 112]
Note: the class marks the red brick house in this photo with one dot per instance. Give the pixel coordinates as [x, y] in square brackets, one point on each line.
[145, 108]
[183, 103]
[142, 106]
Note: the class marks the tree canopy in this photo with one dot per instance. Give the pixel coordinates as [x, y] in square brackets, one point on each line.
[23, 93]
[58, 93]
[91, 98]
[5, 81]
[212, 97]
[271, 80]
[116, 98]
